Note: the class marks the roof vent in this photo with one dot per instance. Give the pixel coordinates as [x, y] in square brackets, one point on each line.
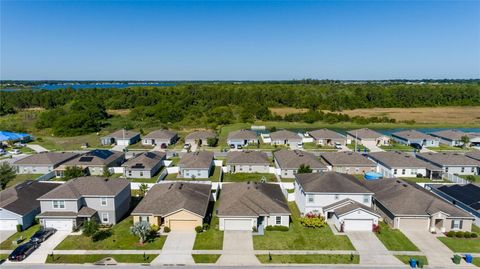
[405, 185]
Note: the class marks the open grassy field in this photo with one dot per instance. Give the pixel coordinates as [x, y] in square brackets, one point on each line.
[282, 111]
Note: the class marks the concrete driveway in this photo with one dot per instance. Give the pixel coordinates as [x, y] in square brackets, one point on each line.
[437, 253]
[177, 249]
[371, 249]
[5, 234]
[238, 249]
[46, 248]
[37, 148]
[118, 148]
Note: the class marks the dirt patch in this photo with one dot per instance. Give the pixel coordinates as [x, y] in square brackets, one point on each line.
[282, 111]
[118, 112]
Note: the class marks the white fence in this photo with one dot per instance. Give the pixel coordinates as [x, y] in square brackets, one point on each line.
[46, 177]
[116, 170]
[454, 178]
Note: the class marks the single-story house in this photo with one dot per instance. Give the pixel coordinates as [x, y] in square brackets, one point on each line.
[93, 162]
[199, 137]
[248, 162]
[197, 164]
[285, 137]
[367, 137]
[353, 216]
[348, 162]
[450, 137]
[473, 155]
[180, 206]
[19, 205]
[144, 165]
[85, 198]
[288, 162]
[42, 163]
[409, 137]
[452, 162]
[249, 205]
[242, 138]
[326, 137]
[121, 137]
[162, 138]
[403, 164]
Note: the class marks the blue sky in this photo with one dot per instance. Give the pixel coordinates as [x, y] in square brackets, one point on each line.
[147, 40]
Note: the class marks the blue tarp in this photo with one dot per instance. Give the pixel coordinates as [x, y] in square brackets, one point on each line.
[9, 136]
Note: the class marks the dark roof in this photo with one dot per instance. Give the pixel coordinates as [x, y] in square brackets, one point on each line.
[95, 157]
[365, 133]
[404, 199]
[201, 135]
[120, 134]
[146, 160]
[165, 198]
[413, 134]
[198, 159]
[448, 158]
[87, 186]
[292, 159]
[285, 135]
[242, 135]
[47, 158]
[346, 158]
[161, 134]
[247, 157]
[451, 134]
[22, 198]
[397, 159]
[474, 155]
[252, 199]
[325, 134]
[352, 207]
[330, 182]
[468, 194]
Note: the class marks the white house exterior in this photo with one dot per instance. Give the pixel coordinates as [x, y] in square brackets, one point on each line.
[409, 137]
[42, 163]
[162, 138]
[285, 137]
[326, 137]
[242, 138]
[247, 162]
[452, 163]
[145, 165]
[121, 137]
[355, 217]
[402, 164]
[288, 162]
[367, 137]
[196, 165]
[450, 137]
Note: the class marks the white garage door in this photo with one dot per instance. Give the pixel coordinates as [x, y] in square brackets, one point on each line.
[238, 224]
[8, 224]
[61, 225]
[358, 225]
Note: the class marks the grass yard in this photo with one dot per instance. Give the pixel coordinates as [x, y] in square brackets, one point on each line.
[205, 258]
[462, 245]
[120, 239]
[174, 160]
[360, 147]
[397, 147]
[443, 147]
[244, 177]
[471, 178]
[301, 238]
[92, 258]
[406, 258]
[314, 145]
[311, 258]
[21, 178]
[7, 244]
[215, 175]
[144, 180]
[423, 180]
[394, 239]
[212, 239]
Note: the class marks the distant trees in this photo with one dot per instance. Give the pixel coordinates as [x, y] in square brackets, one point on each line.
[465, 140]
[7, 174]
[304, 169]
[212, 142]
[72, 172]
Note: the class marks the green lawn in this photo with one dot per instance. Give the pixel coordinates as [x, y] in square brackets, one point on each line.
[301, 238]
[443, 147]
[21, 178]
[476, 261]
[394, 239]
[144, 180]
[215, 175]
[174, 160]
[397, 147]
[212, 239]
[311, 258]
[243, 177]
[406, 258]
[471, 178]
[423, 180]
[120, 239]
[92, 258]
[359, 147]
[314, 145]
[205, 258]
[3, 257]
[7, 244]
[462, 245]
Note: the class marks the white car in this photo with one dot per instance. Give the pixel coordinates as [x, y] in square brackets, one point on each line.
[15, 151]
[338, 145]
[2, 152]
[187, 146]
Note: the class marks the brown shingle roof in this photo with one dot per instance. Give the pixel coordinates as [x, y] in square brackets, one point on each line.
[247, 157]
[413, 134]
[325, 134]
[285, 135]
[242, 135]
[47, 158]
[201, 135]
[347, 159]
[330, 182]
[397, 159]
[474, 155]
[448, 158]
[165, 198]
[365, 133]
[161, 134]
[120, 134]
[351, 207]
[252, 199]
[292, 159]
[22, 198]
[198, 159]
[95, 157]
[146, 160]
[451, 134]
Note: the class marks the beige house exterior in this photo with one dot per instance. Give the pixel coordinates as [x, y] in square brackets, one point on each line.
[182, 220]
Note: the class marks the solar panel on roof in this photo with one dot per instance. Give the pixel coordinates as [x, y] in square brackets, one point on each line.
[86, 159]
[150, 155]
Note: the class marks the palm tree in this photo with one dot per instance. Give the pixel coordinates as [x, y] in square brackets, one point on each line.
[141, 229]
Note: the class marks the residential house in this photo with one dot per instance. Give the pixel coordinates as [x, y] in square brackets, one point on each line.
[94, 162]
[242, 138]
[402, 164]
[121, 137]
[252, 205]
[162, 138]
[367, 137]
[473, 155]
[288, 162]
[409, 137]
[144, 165]
[285, 137]
[407, 206]
[348, 162]
[326, 137]
[452, 162]
[248, 162]
[19, 205]
[179, 206]
[197, 164]
[451, 137]
[42, 163]
[199, 137]
[85, 198]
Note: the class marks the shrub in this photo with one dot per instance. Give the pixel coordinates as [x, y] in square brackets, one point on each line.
[154, 228]
[199, 229]
[376, 228]
[254, 229]
[90, 227]
[101, 235]
[450, 234]
[166, 229]
[312, 220]
[278, 228]
[459, 234]
[19, 227]
[467, 234]
[206, 226]
[473, 235]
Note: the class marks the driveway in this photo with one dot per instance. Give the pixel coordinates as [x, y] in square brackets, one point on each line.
[371, 249]
[118, 148]
[46, 248]
[437, 253]
[5, 234]
[177, 249]
[238, 249]
[37, 148]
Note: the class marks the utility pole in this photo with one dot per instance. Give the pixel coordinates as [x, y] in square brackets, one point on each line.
[355, 141]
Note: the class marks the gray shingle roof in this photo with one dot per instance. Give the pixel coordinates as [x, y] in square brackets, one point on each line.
[474, 155]
[330, 182]
[325, 134]
[22, 198]
[120, 134]
[198, 159]
[242, 135]
[252, 199]
[47, 158]
[413, 134]
[397, 159]
[161, 134]
[201, 135]
[88, 186]
[292, 159]
[165, 198]
[405, 199]
[285, 135]
[248, 157]
[449, 159]
[95, 157]
[451, 134]
[146, 160]
[347, 159]
[352, 207]
[365, 133]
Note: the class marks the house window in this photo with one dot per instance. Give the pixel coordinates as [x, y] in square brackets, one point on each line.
[241, 168]
[104, 201]
[463, 170]
[413, 172]
[366, 199]
[356, 169]
[249, 168]
[198, 173]
[278, 220]
[141, 174]
[129, 173]
[58, 204]
[403, 171]
[34, 169]
[446, 169]
[310, 198]
[104, 217]
[394, 171]
[457, 224]
[337, 196]
[473, 169]
[144, 219]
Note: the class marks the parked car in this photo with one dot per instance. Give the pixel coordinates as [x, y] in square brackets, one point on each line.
[416, 146]
[20, 145]
[232, 146]
[15, 151]
[338, 145]
[239, 147]
[187, 146]
[42, 235]
[22, 251]
[3, 152]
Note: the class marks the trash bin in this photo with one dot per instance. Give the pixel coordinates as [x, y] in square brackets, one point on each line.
[468, 258]
[413, 262]
[456, 259]
[419, 264]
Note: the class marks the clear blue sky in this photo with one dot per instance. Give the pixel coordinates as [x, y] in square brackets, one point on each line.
[239, 40]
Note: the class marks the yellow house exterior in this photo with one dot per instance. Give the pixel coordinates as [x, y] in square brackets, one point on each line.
[181, 220]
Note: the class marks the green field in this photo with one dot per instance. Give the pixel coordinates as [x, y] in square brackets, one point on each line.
[309, 259]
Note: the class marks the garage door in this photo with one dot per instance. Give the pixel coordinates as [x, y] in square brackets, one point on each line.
[182, 225]
[238, 225]
[358, 225]
[413, 224]
[61, 225]
[8, 224]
